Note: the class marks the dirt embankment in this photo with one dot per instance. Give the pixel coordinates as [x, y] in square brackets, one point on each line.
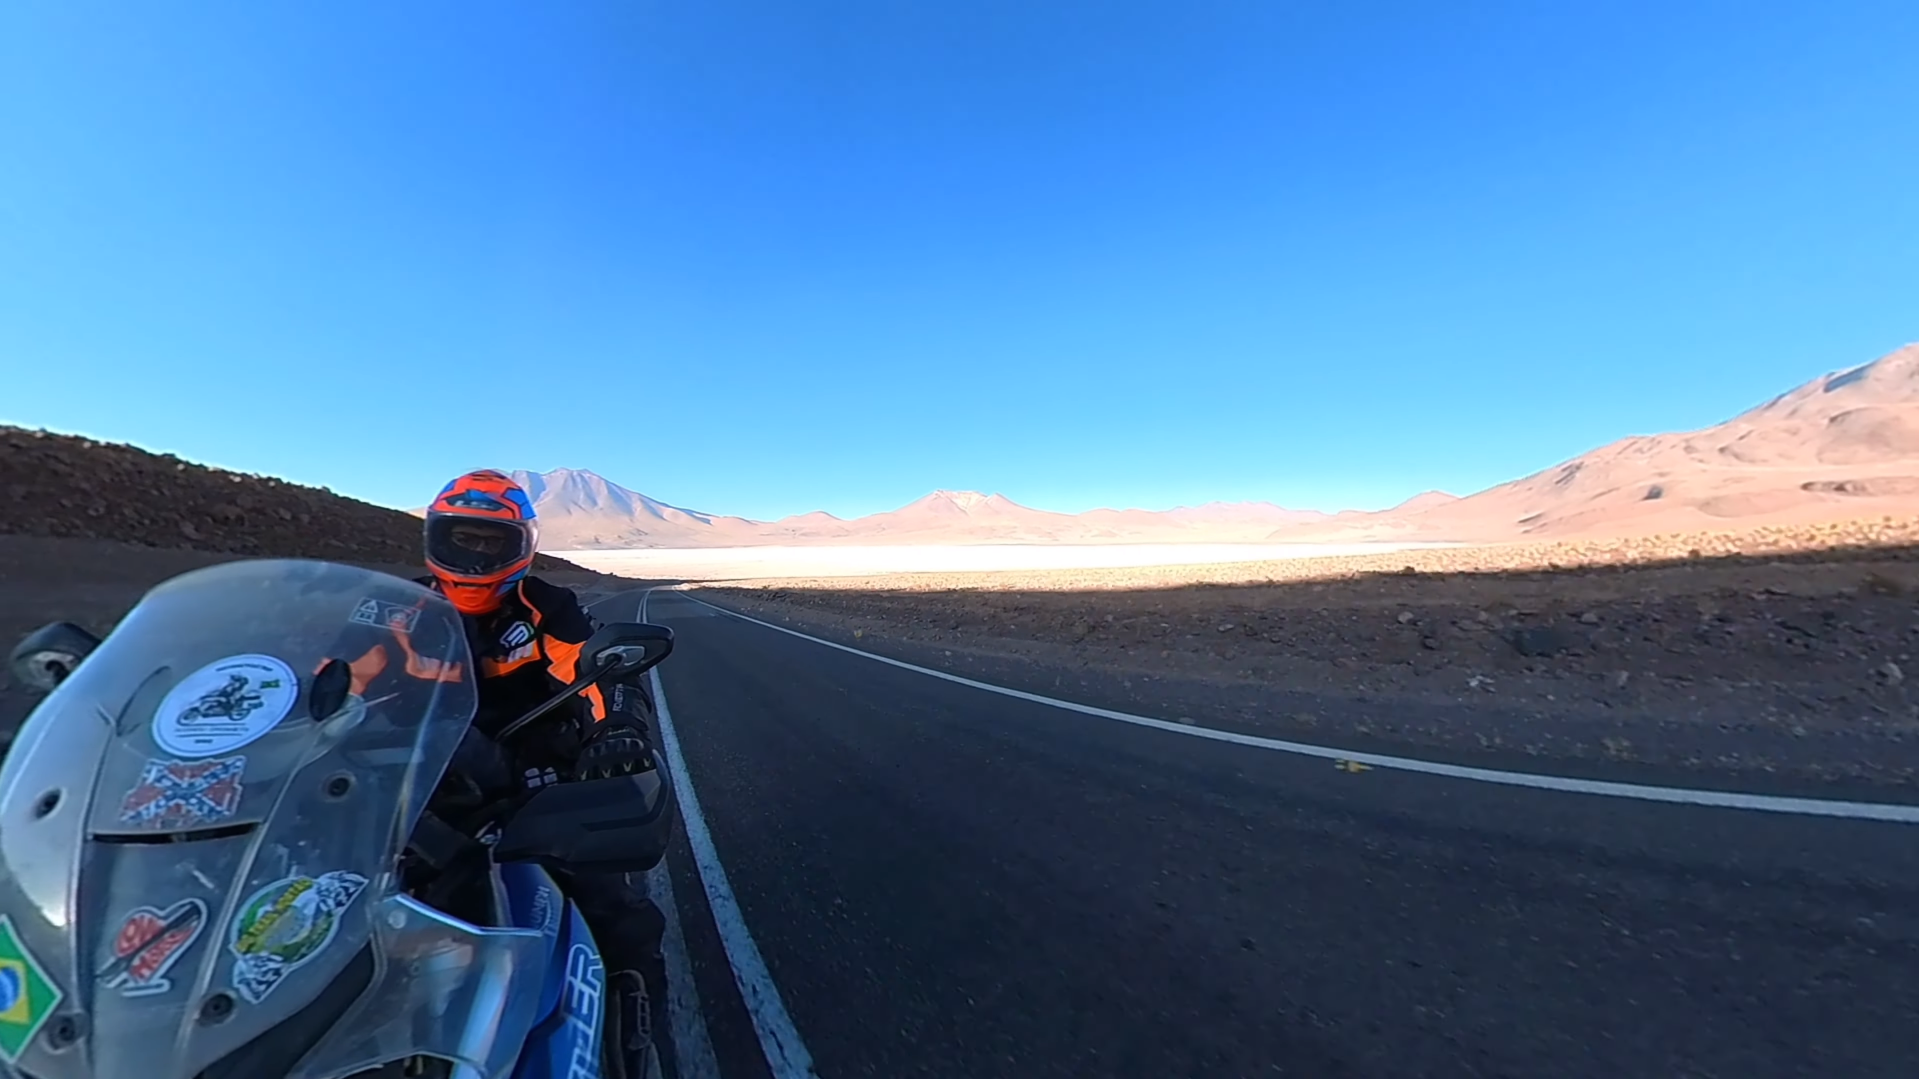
[1807, 640]
[75, 488]
[87, 527]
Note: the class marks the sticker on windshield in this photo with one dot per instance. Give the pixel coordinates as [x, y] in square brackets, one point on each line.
[400, 617]
[148, 943]
[28, 996]
[281, 927]
[173, 795]
[225, 705]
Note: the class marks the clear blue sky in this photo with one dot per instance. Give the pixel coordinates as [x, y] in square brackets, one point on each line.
[765, 257]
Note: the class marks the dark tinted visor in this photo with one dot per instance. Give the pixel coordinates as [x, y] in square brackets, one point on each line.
[475, 546]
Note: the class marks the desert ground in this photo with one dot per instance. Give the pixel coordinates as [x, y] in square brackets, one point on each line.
[1785, 650]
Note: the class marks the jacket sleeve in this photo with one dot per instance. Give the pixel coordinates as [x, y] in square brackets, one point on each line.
[564, 628]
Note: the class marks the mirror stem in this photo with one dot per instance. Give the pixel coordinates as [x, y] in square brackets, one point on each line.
[553, 702]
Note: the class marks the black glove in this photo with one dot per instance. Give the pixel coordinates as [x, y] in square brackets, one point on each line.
[480, 760]
[613, 750]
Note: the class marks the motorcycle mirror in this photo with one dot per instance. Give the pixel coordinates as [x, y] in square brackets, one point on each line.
[626, 648]
[329, 690]
[48, 656]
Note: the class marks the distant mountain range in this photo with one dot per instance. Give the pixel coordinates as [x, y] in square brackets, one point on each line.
[580, 510]
[1844, 446]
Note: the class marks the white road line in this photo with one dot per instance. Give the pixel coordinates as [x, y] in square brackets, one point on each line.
[786, 1054]
[653, 1064]
[693, 1056]
[1764, 803]
[685, 1021]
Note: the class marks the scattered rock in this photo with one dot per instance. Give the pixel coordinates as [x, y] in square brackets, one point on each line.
[1539, 641]
[1883, 585]
[1682, 647]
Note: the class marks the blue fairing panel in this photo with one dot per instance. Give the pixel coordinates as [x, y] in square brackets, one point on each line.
[535, 899]
[536, 903]
[566, 1045]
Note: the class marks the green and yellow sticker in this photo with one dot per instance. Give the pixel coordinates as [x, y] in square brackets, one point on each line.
[27, 996]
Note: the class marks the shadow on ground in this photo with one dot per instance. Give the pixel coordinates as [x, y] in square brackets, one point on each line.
[1793, 664]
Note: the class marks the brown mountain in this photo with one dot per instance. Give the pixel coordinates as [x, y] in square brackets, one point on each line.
[1841, 447]
[581, 511]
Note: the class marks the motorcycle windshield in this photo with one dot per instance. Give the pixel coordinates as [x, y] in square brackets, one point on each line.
[196, 827]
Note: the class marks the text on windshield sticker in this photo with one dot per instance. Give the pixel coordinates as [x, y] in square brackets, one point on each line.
[149, 942]
[225, 705]
[281, 927]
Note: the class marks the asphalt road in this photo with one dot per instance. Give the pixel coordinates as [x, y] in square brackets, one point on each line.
[928, 879]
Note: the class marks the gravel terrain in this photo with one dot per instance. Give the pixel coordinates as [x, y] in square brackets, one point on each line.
[1793, 658]
[75, 488]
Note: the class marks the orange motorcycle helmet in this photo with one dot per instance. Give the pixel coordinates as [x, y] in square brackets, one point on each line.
[481, 534]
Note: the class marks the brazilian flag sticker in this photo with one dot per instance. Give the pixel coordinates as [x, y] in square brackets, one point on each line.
[27, 996]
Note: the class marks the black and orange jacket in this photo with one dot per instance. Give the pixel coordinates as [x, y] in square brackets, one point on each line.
[525, 652]
[528, 650]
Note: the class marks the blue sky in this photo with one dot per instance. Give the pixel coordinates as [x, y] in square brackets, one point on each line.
[766, 257]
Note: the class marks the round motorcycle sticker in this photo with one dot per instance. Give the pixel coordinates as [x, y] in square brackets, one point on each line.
[225, 705]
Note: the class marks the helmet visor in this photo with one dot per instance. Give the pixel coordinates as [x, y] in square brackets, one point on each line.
[475, 546]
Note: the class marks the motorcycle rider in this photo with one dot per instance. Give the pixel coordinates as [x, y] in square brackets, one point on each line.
[525, 636]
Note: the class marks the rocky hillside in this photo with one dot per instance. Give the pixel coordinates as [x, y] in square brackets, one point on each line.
[1842, 447]
[64, 486]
